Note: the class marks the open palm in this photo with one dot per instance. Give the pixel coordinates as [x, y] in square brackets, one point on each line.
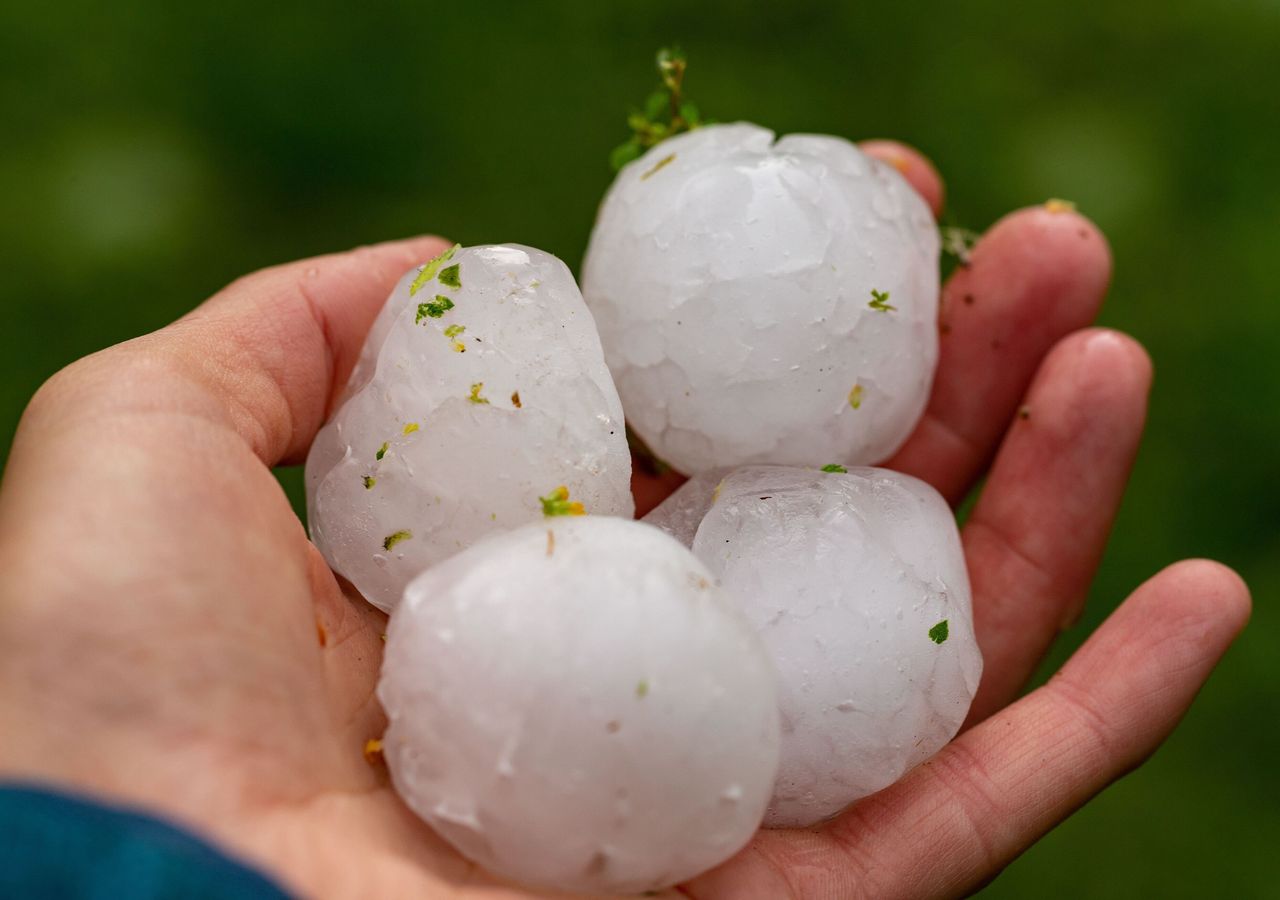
[170, 639]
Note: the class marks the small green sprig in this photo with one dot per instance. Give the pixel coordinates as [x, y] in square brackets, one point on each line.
[855, 396]
[836, 468]
[429, 270]
[452, 276]
[557, 503]
[880, 301]
[398, 538]
[958, 243]
[433, 309]
[666, 111]
[938, 633]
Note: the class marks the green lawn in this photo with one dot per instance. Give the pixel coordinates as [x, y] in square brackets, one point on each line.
[150, 153]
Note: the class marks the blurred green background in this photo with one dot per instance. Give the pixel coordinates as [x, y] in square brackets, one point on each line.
[151, 152]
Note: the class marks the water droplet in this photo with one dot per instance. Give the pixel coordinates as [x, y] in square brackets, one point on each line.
[732, 794]
[846, 706]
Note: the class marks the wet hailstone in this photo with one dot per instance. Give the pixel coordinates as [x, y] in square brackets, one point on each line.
[598, 719]
[765, 302]
[857, 584]
[480, 390]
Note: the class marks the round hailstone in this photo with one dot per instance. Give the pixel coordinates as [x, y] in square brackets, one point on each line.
[856, 583]
[481, 397]
[765, 302]
[574, 705]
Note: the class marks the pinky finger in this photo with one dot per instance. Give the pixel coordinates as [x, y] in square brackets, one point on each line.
[998, 788]
[954, 822]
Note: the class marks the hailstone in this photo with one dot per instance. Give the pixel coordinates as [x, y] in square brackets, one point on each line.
[765, 302]
[481, 398]
[574, 705]
[856, 582]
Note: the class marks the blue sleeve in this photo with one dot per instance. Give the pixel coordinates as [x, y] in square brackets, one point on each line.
[57, 846]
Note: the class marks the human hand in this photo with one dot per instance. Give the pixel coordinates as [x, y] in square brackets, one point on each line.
[168, 636]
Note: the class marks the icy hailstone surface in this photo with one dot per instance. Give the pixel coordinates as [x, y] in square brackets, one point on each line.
[681, 513]
[474, 397]
[847, 578]
[575, 705]
[731, 278]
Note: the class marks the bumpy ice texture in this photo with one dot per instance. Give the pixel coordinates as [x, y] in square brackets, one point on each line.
[732, 277]
[476, 394]
[574, 705]
[847, 578]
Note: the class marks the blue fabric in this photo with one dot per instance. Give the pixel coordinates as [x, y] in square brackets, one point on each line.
[57, 846]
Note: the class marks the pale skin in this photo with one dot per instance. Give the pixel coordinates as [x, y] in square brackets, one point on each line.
[169, 638]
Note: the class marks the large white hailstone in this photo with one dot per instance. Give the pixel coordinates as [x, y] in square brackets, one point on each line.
[574, 705]
[856, 582]
[765, 302]
[481, 391]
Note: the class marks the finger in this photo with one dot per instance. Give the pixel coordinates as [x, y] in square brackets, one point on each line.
[914, 166]
[1001, 786]
[256, 365]
[263, 355]
[287, 337]
[1036, 536]
[956, 821]
[1037, 275]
